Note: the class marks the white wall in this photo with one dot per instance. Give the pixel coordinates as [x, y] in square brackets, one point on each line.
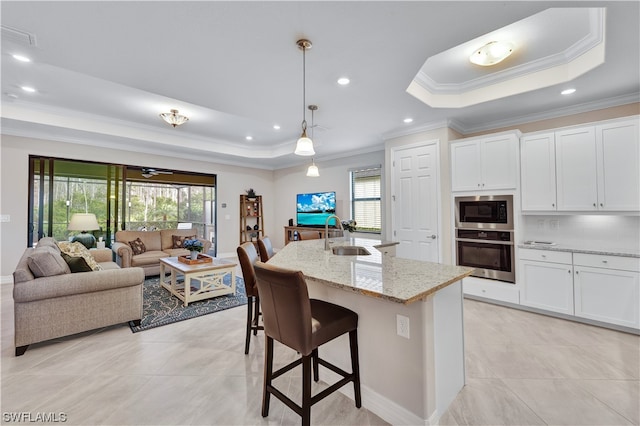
[14, 153]
[334, 176]
[600, 232]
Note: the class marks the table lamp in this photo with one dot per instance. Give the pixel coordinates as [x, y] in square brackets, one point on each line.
[84, 222]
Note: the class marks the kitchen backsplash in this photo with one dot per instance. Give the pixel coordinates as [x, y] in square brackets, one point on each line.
[584, 231]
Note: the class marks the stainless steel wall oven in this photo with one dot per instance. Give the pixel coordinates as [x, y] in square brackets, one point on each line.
[484, 236]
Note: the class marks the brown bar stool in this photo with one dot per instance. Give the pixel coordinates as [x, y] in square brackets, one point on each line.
[309, 235]
[302, 324]
[248, 256]
[265, 248]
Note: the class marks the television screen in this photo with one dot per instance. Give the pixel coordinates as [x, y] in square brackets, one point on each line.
[314, 208]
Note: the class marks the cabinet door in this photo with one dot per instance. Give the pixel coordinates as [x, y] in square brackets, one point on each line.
[576, 170]
[499, 162]
[465, 166]
[538, 172]
[607, 295]
[618, 157]
[547, 286]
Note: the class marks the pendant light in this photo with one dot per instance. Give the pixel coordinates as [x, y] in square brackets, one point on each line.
[305, 144]
[313, 171]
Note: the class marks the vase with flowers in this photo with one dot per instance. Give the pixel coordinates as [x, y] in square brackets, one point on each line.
[348, 226]
[195, 246]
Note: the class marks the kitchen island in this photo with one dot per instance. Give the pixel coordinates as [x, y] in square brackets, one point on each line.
[410, 328]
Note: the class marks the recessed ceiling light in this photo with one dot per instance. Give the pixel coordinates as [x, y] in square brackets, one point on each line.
[28, 89]
[249, 138]
[408, 120]
[491, 53]
[21, 58]
[343, 81]
[568, 91]
[276, 127]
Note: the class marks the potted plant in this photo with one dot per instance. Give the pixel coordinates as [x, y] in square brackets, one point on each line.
[348, 226]
[194, 246]
[251, 193]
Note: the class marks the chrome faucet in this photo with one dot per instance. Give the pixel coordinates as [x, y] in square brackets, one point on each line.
[326, 230]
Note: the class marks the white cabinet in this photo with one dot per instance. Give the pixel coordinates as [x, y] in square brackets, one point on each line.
[486, 163]
[576, 169]
[538, 172]
[490, 289]
[582, 169]
[547, 280]
[607, 288]
[618, 166]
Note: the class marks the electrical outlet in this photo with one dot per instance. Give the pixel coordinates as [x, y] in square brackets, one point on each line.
[554, 224]
[5, 218]
[402, 326]
[541, 223]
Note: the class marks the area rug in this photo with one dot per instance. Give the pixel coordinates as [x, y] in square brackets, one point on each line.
[161, 308]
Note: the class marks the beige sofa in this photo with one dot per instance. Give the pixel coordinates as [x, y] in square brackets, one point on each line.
[65, 303]
[158, 244]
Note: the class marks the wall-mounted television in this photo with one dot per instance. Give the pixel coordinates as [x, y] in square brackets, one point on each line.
[314, 208]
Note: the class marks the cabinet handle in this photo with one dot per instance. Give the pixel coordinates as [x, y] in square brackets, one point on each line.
[605, 261]
[601, 205]
[594, 204]
[569, 271]
[577, 272]
[544, 256]
[478, 185]
[553, 204]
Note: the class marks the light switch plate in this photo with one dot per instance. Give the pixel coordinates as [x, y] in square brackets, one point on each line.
[5, 218]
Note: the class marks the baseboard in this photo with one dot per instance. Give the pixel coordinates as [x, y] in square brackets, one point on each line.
[379, 405]
[6, 279]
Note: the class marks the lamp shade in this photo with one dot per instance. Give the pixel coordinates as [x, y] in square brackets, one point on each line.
[83, 222]
[304, 145]
[313, 171]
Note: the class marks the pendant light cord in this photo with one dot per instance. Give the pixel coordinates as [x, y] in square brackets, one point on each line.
[304, 87]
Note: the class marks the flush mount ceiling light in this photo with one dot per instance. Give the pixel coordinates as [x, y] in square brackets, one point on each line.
[21, 58]
[491, 53]
[174, 118]
[568, 91]
[304, 146]
[313, 171]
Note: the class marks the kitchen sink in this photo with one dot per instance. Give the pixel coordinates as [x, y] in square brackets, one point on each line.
[350, 251]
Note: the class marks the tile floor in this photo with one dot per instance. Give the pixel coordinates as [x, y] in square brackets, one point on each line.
[522, 369]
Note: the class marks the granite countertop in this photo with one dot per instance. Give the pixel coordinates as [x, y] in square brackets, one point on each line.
[385, 277]
[575, 249]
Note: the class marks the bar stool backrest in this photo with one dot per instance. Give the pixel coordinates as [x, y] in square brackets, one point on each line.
[265, 248]
[248, 256]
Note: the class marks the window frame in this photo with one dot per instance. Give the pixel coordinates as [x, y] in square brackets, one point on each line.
[353, 200]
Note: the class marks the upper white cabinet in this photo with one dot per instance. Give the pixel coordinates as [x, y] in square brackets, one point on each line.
[538, 171]
[576, 169]
[589, 168]
[485, 163]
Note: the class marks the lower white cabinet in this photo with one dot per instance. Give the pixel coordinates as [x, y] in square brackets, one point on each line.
[596, 287]
[490, 289]
[606, 294]
[547, 280]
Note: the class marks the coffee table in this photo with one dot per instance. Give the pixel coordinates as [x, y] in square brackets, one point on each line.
[209, 275]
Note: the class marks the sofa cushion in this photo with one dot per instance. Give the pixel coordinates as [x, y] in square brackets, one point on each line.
[177, 252]
[77, 249]
[178, 240]
[151, 239]
[47, 262]
[148, 258]
[48, 242]
[76, 264]
[137, 246]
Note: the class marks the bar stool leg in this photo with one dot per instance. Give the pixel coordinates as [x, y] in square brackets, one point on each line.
[249, 322]
[355, 366]
[256, 315]
[314, 355]
[306, 390]
[268, 372]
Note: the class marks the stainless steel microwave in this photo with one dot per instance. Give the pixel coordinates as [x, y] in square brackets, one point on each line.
[484, 212]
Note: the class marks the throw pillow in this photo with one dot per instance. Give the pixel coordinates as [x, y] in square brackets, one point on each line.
[178, 240]
[46, 262]
[77, 249]
[48, 242]
[137, 246]
[76, 264]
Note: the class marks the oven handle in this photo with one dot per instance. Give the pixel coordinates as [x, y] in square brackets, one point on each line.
[469, 240]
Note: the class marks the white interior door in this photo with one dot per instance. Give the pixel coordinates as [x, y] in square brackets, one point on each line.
[415, 202]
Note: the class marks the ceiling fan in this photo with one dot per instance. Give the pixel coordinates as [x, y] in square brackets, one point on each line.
[147, 173]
